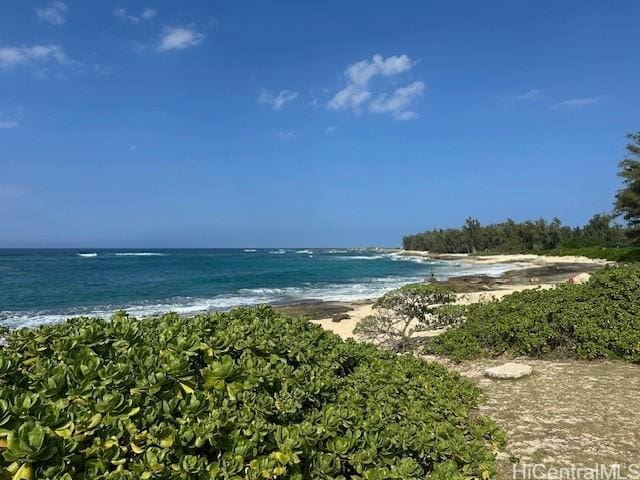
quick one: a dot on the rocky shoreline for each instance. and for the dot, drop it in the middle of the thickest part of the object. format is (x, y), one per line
(547, 272)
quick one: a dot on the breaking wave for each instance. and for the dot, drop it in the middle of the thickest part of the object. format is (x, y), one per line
(192, 305)
(140, 254)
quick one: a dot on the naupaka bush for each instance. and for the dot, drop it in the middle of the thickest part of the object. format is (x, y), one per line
(600, 319)
(245, 394)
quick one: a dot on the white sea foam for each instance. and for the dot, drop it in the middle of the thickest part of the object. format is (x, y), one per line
(192, 305)
(249, 250)
(361, 257)
(140, 254)
(345, 292)
(87, 255)
(278, 252)
(309, 252)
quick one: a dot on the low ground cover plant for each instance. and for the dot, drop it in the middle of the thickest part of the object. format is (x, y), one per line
(600, 319)
(247, 394)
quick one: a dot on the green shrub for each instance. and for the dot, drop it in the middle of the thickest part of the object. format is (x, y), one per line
(247, 394)
(600, 319)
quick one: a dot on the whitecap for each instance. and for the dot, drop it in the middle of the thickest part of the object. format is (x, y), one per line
(361, 257)
(337, 292)
(140, 254)
(87, 255)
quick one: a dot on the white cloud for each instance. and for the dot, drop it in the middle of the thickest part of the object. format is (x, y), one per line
(530, 95)
(399, 102)
(149, 13)
(350, 97)
(54, 12)
(7, 124)
(179, 38)
(123, 14)
(578, 102)
(331, 129)
(361, 73)
(285, 136)
(11, 57)
(277, 101)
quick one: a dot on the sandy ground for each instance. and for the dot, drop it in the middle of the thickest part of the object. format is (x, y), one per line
(344, 328)
(566, 413)
(518, 259)
(534, 271)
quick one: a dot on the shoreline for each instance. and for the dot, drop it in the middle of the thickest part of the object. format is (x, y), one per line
(534, 271)
(515, 271)
(514, 258)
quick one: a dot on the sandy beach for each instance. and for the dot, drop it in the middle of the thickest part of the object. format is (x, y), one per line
(532, 271)
(519, 259)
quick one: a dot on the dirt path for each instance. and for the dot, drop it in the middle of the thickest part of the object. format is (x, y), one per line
(566, 413)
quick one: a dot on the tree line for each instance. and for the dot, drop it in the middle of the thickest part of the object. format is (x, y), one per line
(511, 236)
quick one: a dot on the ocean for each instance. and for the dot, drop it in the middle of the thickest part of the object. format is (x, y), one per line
(45, 286)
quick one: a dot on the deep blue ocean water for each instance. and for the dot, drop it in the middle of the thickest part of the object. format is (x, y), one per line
(42, 286)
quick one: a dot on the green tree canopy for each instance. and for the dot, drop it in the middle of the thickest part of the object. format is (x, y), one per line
(628, 197)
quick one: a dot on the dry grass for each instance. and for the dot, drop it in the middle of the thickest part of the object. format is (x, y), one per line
(566, 413)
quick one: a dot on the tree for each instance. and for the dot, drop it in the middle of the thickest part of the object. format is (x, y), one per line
(628, 197)
(600, 231)
(472, 231)
(403, 312)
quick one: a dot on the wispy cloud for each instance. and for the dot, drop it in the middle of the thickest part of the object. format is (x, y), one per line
(12, 57)
(7, 124)
(11, 119)
(578, 102)
(179, 38)
(54, 13)
(399, 102)
(123, 14)
(530, 95)
(149, 13)
(357, 93)
(12, 192)
(331, 129)
(277, 101)
(285, 136)
(103, 69)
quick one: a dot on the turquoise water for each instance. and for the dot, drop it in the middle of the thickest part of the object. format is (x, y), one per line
(43, 286)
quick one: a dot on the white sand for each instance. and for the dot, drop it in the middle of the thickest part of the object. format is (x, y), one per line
(525, 259)
(360, 310)
(345, 328)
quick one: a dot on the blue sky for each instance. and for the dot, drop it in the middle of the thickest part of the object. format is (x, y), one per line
(253, 123)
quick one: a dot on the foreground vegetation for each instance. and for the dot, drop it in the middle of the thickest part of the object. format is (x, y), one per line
(247, 394)
(600, 319)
